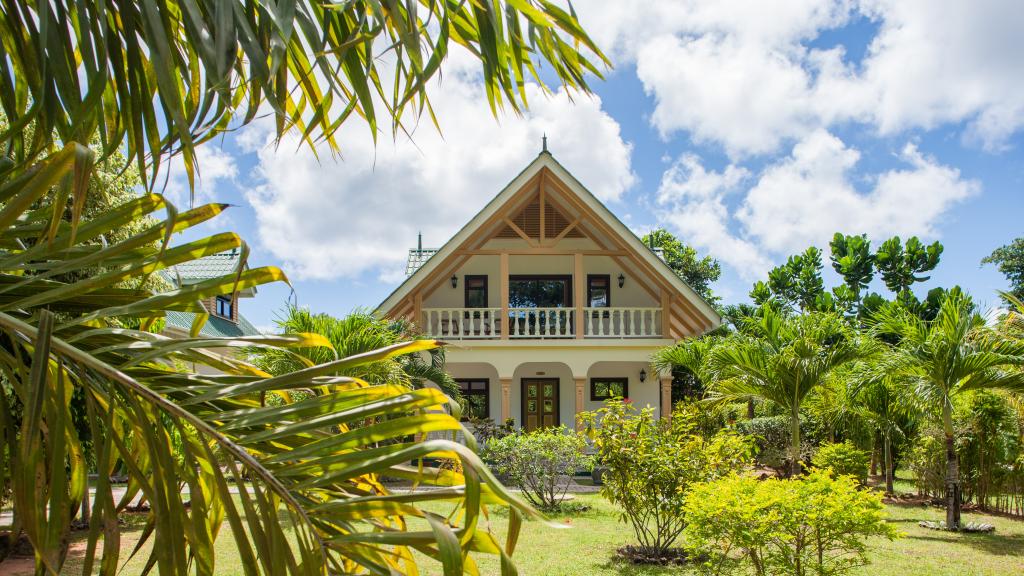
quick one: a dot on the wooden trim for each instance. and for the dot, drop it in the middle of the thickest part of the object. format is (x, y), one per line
(515, 228)
(503, 283)
(544, 250)
(543, 208)
(564, 232)
(465, 290)
(578, 274)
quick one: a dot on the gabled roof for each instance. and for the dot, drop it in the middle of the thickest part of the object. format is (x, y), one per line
(546, 161)
(206, 268)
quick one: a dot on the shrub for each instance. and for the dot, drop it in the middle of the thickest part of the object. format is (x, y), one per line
(814, 524)
(540, 463)
(650, 467)
(843, 459)
(772, 436)
(486, 429)
(927, 462)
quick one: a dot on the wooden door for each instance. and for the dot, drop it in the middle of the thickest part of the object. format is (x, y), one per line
(540, 403)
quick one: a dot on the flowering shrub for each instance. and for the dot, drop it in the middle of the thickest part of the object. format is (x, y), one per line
(814, 524)
(843, 458)
(540, 463)
(650, 467)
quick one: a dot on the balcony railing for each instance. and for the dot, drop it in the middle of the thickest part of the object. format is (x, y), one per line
(541, 323)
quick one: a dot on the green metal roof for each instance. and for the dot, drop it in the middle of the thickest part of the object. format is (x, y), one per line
(215, 326)
(204, 268)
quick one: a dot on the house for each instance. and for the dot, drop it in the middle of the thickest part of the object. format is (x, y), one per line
(550, 303)
(225, 320)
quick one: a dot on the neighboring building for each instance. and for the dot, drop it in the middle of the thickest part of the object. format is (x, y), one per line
(225, 318)
(551, 304)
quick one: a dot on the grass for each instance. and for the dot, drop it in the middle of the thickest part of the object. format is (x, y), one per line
(587, 546)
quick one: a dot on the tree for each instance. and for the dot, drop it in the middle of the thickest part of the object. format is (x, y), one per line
(942, 359)
(797, 283)
(1010, 261)
(782, 359)
(901, 266)
(357, 333)
(697, 272)
(852, 259)
(165, 77)
(160, 78)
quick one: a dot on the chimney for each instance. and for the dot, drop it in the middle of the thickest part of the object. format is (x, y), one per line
(419, 242)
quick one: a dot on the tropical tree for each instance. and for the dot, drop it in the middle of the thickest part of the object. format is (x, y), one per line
(153, 79)
(883, 404)
(901, 265)
(1010, 261)
(699, 273)
(358, 333)
(782, 359)
(944, 358)
(159, 77)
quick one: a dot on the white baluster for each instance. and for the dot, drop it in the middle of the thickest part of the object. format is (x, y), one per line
(643, 323)
(632, 317)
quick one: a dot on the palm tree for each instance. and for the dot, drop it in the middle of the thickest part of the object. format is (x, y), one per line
(944, 358)
(782, 359)
(357, 333)
(884, 406)
(163, 77)
(153, 79)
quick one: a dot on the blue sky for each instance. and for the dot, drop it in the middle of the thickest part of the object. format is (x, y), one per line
(750, 131)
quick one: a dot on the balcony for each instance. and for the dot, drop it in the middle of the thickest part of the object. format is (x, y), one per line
(541, 323)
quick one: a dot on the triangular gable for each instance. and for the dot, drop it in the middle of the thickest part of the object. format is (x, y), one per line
(514, 213)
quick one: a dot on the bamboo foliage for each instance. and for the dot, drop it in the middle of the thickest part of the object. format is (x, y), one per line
(166, 75)
(318, 462)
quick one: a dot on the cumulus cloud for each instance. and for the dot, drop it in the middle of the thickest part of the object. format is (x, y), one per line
(215, 168)
(744, 75)
(337, 218)
(803, 199)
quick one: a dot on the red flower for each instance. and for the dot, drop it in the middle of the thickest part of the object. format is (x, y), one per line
(627, 401)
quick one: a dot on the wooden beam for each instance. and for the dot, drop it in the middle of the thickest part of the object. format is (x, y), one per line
(666, 312)
(577, 284)
(520, 232)
(545, 250)
(503, 281)
(564, 232)
(541, 200)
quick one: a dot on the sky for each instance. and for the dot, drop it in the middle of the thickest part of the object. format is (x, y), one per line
(749, 129)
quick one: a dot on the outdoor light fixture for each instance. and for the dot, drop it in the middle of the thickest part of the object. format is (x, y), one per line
(622, 280)
(455, 281)
(643, 375)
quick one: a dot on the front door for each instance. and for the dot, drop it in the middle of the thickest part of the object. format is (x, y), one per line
(540, 403)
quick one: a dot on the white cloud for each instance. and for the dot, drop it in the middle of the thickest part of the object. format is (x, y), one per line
(805, 198)
(740, 73)
(341, 218)
(215, 168)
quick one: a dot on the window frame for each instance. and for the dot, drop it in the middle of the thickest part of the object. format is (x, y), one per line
(608, 290)
(610, 379)
(486, 393)
(229, 301)
(466, 288)
(567, 291)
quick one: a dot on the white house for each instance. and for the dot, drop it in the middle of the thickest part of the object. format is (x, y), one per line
(550, 304)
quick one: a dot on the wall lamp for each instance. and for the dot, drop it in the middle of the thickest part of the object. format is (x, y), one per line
(455, 281)
(643, 375)
(622, 280)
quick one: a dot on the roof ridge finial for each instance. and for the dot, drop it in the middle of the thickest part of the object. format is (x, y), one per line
(544, 143)
(419, 241)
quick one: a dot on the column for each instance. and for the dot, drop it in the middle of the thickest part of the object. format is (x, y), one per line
(506, 399)
(581, 385)
(666, 396)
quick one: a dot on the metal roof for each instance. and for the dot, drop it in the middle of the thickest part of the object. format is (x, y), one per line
(205, 268)
(215, 326)
(418, 257)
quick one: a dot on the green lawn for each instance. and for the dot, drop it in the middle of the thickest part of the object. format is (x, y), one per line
(588, 544)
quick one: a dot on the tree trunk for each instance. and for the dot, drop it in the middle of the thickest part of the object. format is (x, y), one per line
(794, 430)
(888, 464)
(750, 408)
(874, 454)
(952, 473)
(86, 511)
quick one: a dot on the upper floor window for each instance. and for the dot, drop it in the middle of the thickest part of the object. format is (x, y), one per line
(599, 291)
(540, 291)
(225, 306)
(476, 291)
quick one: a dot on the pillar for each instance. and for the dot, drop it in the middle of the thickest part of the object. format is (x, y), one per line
(666, 396)
(581, 385)
(506, 399)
